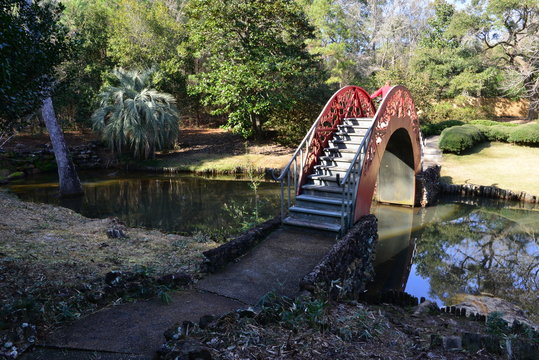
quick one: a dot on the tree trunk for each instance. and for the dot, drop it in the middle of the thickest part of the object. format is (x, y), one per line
(532, 110)
(532, 113)
(68, 178)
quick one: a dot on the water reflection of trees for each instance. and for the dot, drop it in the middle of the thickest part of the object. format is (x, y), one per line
(483, 250)
(175, 203)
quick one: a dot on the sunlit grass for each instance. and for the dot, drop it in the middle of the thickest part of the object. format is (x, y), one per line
(217, 163)
(506, 166)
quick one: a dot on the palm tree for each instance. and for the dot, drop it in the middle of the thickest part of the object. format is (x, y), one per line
(135, 117)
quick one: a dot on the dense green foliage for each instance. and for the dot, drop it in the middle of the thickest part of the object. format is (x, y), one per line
(136, 118)
(492, 123)
(81, 77)
(32, 43)
(457, 139)
(255, 59)
(496, 132)
(430, 129)
(265, 66)
(525, 135)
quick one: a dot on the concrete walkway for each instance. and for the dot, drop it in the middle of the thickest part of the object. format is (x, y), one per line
(135, 331)
(432, 155)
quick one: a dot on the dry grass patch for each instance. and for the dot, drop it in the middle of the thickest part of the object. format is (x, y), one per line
(52, 257)
(506, 166)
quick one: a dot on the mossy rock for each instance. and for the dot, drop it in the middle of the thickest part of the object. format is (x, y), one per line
(15, 175)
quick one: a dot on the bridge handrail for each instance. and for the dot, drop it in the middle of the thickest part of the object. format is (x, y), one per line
(322, 129)
(298, 149)
(356, 166)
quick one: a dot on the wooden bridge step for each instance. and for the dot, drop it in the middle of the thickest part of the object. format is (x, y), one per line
(312, 224)
(337, 159)
(338, 168)
(350, 134)
(319, 212)
(321, 200)
(329, 189)
(341, 150)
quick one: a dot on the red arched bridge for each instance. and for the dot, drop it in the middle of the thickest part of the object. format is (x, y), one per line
(352, 154)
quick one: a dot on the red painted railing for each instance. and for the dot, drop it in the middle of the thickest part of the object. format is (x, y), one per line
(348, 102)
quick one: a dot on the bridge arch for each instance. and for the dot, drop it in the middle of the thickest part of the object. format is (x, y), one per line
(393, 155)
(351, 150)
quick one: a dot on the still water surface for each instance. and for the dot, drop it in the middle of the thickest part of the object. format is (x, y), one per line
(172, 203)
(438, 252)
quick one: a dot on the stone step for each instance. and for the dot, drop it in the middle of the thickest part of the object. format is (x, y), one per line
(333, 192)
(428, 151)
(312, 224)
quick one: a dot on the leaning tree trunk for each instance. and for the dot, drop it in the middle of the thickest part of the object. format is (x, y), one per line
(68, 178)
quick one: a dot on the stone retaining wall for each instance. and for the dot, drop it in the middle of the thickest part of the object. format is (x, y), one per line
(491, 192)
(226, 253)
(429, 188)
(27, 162)
(348, 264)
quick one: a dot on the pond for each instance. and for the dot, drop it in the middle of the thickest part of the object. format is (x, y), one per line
(177, 203)
(438, 253)
(456, 248)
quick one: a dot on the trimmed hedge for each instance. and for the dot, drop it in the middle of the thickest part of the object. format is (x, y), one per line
(437, 128)
(525, 135)
(497, 132)
(492, 123)
(457, 139)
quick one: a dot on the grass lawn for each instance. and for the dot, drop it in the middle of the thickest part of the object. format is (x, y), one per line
(506, 166)
(221, 163)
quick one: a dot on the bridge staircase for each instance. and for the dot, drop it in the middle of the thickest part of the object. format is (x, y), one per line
(322, 200)
(319, 184)
(330, 181)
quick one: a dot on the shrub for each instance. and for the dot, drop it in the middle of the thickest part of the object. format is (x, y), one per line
(496, 132)
(455, 110)
(436, 128)
(525, 135)
(457, 139)
(492, 123)
(133, 116)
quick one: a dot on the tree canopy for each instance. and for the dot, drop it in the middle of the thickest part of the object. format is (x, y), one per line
(32, 43)
(253, 58)
(259, 65)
